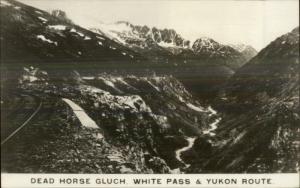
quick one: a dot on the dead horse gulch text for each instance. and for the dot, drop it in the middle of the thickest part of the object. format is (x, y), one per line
(152, 181)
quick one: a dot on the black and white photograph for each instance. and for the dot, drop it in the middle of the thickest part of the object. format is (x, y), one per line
(150, 87)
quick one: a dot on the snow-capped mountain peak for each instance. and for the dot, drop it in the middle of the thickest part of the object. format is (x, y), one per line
(142, 36)
(166, 44)
(205, 42)
(239, 47)
(247, 50)
(114, 30)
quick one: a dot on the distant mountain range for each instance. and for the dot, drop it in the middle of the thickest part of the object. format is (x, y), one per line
(120, 41)
(167, 44)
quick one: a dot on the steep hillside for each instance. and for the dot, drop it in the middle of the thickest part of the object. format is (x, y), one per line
(260, 129)
(29, 34)
(272, 68)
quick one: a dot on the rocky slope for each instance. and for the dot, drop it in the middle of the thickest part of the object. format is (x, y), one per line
(267, 72)
(144, 120)
(260, 129)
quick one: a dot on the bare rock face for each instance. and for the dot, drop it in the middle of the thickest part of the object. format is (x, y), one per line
(59, 14)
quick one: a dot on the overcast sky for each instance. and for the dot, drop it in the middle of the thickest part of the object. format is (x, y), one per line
(227, 21)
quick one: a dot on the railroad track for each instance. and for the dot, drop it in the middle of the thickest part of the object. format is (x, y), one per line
(22, 125)
(18, 148)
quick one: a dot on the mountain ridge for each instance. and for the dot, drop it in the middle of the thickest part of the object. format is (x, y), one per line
(168, 43)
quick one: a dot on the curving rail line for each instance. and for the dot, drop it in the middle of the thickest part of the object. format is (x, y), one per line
(23, 125)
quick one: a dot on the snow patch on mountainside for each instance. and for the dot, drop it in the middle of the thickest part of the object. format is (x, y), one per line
(88, 77)
(77, 32)
(167, 45)
(58, 27)
(43, 38)
(239, 47)
(87, 38)
(42, 19)
(193, 107)
(39, 12)
(109, 31)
